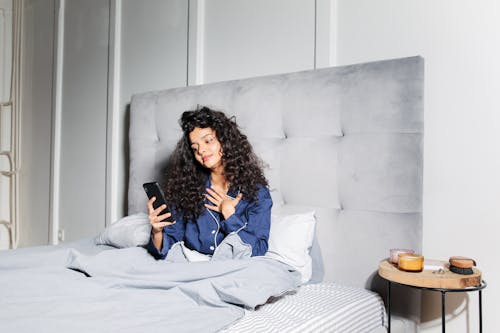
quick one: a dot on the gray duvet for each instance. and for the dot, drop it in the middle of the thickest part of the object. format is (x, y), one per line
(81, 288)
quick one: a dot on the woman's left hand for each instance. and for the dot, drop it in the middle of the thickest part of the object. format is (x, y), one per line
(221, 202)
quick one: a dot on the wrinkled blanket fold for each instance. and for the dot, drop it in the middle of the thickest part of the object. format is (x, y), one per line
(127, 290)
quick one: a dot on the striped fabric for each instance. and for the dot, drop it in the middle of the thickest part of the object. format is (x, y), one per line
(323, 307)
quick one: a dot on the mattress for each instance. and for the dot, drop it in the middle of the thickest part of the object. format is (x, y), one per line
(323, 307)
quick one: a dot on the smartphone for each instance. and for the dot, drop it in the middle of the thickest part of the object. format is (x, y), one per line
(154, 190)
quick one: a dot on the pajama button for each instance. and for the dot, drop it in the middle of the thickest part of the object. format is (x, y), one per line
(213, 232)
(212, 248)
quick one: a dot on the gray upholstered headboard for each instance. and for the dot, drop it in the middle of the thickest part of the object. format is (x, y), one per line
(346, 141)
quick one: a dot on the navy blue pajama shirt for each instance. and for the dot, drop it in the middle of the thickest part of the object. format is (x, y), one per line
(251, 221)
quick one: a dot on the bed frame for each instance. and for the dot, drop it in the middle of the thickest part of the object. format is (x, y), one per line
(344, 141)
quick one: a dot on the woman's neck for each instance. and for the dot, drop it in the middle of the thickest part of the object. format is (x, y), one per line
(218, 181)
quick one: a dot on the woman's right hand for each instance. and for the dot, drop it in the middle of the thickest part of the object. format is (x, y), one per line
(155, 220)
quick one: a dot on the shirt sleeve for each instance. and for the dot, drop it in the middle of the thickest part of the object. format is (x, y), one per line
(171, 234)
(255, 230)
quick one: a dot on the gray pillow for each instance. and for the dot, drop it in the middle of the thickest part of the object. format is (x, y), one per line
(129, 231)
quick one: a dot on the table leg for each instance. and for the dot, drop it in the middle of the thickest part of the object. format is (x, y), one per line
(480, 312)
(443, 311)
(388, 306)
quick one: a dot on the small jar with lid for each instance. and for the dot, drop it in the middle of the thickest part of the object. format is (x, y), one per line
(410, 262)
(394, 253)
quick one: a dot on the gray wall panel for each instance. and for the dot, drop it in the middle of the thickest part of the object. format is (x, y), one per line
(84, 107)
(36, 121)
(259, 37)
(153, 56)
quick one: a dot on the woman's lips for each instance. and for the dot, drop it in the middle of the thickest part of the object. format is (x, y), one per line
(206, 157)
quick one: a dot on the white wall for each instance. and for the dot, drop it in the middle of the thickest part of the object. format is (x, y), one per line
(259, 37)
(82, 189)
(5, 145)
(36, 121)
(5, 48)
(460, 41)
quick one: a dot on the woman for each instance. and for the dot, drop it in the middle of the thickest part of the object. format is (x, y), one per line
(215, 186)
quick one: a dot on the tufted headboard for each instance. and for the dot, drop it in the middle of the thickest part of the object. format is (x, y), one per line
(344, 141)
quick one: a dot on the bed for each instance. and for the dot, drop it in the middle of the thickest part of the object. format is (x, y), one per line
(354, 131)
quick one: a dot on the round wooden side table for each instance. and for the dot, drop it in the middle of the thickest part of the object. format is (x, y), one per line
(443, 281)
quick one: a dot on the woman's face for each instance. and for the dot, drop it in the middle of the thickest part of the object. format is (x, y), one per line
(206, 147)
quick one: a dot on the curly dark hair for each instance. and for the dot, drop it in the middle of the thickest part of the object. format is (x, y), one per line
(185, 177)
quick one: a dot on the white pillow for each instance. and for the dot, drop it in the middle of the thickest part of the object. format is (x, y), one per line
(129, 231)
(290, 241)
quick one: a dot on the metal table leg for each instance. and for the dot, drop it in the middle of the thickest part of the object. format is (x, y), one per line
(443, 291)
(443, 311)
(480, 311)
(388, 306)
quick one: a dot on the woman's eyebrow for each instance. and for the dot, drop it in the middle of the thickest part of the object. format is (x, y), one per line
(194, 143)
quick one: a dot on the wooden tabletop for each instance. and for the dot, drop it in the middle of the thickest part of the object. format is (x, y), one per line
(428, 278)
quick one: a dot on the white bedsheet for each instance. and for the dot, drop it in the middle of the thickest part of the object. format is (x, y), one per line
(323, 307)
